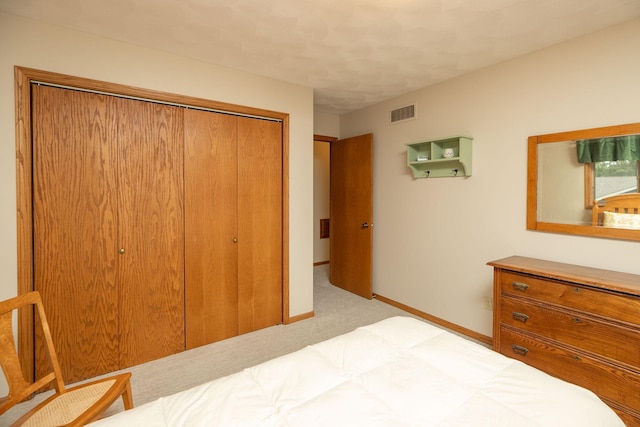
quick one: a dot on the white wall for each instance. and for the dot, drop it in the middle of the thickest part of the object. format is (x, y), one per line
(32, 44)
(321, 199)
(433, 237)
(326, 124)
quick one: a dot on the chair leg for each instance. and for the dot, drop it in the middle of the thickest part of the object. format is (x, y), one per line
(127, 399)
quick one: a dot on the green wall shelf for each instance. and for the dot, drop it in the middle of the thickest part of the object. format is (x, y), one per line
(440, 158)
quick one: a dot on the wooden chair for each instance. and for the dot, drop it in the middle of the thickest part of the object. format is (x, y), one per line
(74, 406)
(624, 203)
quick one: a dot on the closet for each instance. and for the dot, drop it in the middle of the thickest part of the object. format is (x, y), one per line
(155, 227)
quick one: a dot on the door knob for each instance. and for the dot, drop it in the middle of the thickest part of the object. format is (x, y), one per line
(235, 240)
(365, 225)
(121, 250)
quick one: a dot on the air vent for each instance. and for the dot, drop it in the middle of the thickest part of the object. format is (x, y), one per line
(403, 113)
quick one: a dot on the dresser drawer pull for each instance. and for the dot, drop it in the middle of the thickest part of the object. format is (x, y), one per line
(576, 320)
(520, 316)
(519, 286)
(576, 358)
(522, 351)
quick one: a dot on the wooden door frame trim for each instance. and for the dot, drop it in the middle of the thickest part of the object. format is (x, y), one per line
(23, 77)
(324, 138)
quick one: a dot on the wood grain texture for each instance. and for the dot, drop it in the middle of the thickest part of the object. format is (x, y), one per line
(621, 306)
(603, 279)
(260, 227)
(74, 238)
(608, 381)
(578, 323)
(32, 74)
(571, 327)
(150, 231)
(24, 216)
(351, 187)
(211, 225)
(26, 258)
(285, 219)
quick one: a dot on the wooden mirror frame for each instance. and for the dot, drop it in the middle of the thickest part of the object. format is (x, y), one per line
(532, 183)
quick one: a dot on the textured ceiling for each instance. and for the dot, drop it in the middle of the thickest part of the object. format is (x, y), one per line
(353, 53)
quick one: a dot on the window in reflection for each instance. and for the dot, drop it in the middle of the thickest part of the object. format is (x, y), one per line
(612, 178)
(611, 165)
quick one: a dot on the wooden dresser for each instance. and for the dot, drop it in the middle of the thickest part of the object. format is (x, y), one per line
(579, 324)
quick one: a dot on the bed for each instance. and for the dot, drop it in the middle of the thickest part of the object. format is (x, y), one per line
(622, 211)
(397, 372)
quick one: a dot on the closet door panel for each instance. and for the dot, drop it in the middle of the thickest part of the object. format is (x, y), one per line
(259, 223)
(74, 228)
(150, 229)
(211, 222)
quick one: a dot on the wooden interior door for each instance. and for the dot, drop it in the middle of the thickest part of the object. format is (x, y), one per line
(211, 227)
(74, 228)
(351, 212)
(259, 223)
(150, 231)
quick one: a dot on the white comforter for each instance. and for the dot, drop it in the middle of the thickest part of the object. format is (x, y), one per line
(397, 372)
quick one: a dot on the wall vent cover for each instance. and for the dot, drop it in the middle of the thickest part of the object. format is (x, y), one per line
(401, 114)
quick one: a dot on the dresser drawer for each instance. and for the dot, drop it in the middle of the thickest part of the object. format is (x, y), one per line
(607, 381)
(616, 306)
(592, 335)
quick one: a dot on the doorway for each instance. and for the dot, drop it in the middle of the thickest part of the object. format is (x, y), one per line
(321, 198)
(351, 213)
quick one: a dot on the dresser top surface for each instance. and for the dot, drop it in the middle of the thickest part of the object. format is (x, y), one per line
(605, 279)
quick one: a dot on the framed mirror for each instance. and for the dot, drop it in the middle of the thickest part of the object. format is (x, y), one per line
(585, 182)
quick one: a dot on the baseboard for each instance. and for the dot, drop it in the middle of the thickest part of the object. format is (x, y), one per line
(300, 317)
(438, 321)
(315, 264)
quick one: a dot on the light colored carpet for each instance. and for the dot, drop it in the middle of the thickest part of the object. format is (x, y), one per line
(336, 312)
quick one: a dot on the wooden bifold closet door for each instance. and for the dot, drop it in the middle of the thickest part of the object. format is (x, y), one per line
(108, 228)
(150, 231)
(233, 227)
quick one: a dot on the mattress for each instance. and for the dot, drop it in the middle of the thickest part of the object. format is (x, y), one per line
(397, 372)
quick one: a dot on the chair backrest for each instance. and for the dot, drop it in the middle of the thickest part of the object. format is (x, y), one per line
(624, 203)
(19, 387)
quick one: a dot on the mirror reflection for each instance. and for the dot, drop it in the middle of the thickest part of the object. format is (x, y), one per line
(561, 184)
(586, 182)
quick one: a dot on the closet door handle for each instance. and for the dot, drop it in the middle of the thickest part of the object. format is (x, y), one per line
(235, 240)
(121, 251)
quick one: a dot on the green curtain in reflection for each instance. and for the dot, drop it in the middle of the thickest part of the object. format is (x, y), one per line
(609, 149)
